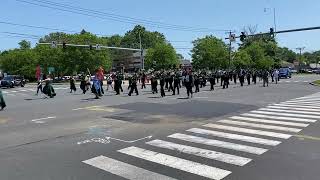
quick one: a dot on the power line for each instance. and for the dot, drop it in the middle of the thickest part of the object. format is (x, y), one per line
(36, 27)
(21, 34)
(135, 20)
(114, 17)
(42, 27)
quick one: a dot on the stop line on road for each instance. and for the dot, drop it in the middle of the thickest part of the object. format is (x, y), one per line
(261, 130)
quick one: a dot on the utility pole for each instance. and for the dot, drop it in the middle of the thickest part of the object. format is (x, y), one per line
(141, 51)
(300, 49)
(230, 49)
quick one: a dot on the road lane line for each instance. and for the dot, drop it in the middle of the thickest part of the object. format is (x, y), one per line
(262, 126)
(221, 144)
(249, 131)
(40, 119)
(286, 114)
(290, 111)
(239, 118)
(177, 163)
(235, 137)
(214, 155)
(124, 170)
(279, 118)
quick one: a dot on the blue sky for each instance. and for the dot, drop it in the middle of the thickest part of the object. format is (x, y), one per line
(213, 14)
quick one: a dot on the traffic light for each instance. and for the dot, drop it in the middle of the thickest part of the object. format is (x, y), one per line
(243, 36)
(64, 45)
(271, 31)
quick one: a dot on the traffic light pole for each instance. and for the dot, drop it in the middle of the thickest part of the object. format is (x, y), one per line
(284, 31)
(230, 49)
(93, 46)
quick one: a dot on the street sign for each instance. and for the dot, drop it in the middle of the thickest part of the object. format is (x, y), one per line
(232, 37)
(98, 47)
(54, 44)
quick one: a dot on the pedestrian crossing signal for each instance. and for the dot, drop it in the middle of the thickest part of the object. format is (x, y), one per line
(64, 45)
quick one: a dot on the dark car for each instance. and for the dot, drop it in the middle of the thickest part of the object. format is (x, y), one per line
(13, 80)
(8, 82)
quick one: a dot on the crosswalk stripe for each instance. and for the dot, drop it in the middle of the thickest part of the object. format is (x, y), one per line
(177, 163)
(249, 131)
(269, 121)
(280, 118)
(223, 157)
(290, 111)
(286, 114)
(13, 91)
(124, 170)
(5, 92)
(310, 96)
(298, 106)
(305, 100)
(302, 103)
(235, 137)
(263, 126)
(23, 90)
(216, 143)
(293, 108)
(10, 94)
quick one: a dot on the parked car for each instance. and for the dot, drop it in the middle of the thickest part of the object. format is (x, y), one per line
(7, 82)
(284, 73)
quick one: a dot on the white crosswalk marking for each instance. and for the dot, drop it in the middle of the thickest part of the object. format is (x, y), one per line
(304, 100)
(216, 143)
(249, 131)
(294, 108)
(235, 137)
(223, 157)
(286, 114)
(280, 118)
(177, 163)
(262, 126)
(123, 169)
(298, 106)
(290, 111)
(268, 121)
(302, 103)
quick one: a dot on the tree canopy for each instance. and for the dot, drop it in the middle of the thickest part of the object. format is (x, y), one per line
(209, 52)
(161, 56)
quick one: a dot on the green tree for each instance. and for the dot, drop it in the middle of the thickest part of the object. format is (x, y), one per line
(25, 44)
(161, 56)
(242, 60)
(209, 52)
(19, 62)
(148, 39)
(259, 54)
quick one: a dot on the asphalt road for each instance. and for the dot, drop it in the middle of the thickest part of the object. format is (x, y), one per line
(241, 133)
